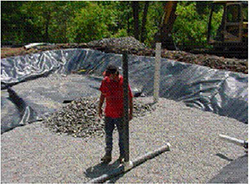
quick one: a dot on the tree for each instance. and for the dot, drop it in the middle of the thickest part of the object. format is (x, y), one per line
(51, 18)
(83, 21)
(92, 23)
(11, 21)
(41, 14)
(144, 20)
(190, 28)
(155, 13)
(66, 10)
(123, 19)
(135, 6)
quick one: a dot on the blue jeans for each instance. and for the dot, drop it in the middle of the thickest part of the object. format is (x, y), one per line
(109, 128)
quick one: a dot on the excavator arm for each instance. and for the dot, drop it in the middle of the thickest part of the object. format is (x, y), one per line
(168, 19)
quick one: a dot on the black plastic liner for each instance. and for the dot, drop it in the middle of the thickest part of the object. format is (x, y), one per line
(234, 173)
(15, 111)
(222, 92)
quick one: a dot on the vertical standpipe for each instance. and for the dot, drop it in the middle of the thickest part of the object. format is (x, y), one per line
(125, 104)
(157, 72)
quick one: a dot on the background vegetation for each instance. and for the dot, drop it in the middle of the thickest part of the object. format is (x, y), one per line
(83, 21)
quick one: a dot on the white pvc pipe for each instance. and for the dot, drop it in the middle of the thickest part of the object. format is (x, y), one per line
(232, 140)
(28, 46)
(136, 162)
(157, 72)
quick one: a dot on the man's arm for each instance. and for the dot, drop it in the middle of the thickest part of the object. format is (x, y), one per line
(102, 98)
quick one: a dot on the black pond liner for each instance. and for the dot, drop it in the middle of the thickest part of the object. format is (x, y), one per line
(222, 92)
(236, 172)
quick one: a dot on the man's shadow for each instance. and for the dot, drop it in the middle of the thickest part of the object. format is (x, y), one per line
(101, 168)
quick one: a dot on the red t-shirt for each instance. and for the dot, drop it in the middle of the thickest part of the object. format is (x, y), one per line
(113, 92)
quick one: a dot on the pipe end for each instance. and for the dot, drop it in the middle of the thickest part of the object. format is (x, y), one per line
(128, 165)
(168, 146)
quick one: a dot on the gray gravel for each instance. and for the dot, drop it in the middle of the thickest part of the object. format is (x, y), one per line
(33, 154)
(79, 117)
(123, 43)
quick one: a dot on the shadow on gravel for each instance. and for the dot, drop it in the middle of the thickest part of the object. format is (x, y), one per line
(113, 180)
(224, 157)
(100, 169)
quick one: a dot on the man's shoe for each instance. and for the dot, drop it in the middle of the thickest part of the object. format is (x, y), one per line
(121, 159)
(106, 159)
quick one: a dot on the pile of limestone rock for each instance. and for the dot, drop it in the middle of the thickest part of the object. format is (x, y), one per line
(79, 118)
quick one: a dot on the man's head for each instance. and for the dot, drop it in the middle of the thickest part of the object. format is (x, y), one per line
(112, 72)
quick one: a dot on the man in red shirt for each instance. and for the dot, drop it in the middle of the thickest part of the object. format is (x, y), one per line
(112, 90)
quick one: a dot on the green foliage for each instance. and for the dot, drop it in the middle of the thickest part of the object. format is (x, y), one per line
(190, 28)
(124, 19)
(84, 21)
(155, 13)
(91, 23)
(11, 21)
(121, 33)
(216, 22)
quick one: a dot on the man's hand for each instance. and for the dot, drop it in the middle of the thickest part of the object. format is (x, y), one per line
(102, 97)
(130, 117)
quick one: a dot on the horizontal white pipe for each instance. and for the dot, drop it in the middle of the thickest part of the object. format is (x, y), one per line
(232, 140)
(136, 162)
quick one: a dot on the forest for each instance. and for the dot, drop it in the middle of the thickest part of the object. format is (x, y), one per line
(83, 21)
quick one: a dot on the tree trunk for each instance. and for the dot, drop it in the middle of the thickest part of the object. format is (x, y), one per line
(144, 20)
(135, 6)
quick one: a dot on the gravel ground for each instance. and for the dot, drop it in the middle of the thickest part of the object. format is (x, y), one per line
(33, 154)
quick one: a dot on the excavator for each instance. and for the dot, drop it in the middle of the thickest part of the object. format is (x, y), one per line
(231, 34)
(164, 35)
